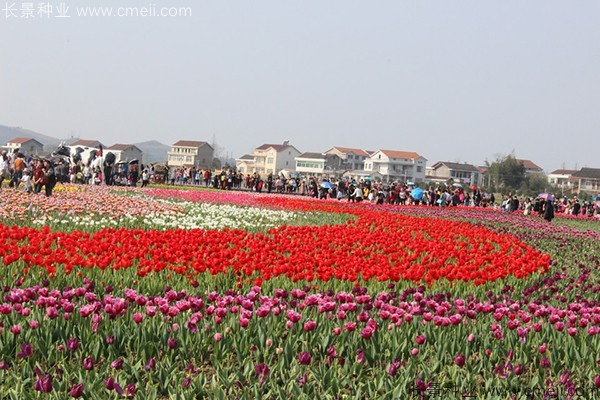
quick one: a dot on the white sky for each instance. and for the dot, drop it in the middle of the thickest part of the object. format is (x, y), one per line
(452, 80)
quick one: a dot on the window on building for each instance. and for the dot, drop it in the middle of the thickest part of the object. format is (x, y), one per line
(419, 168)
(270, 160)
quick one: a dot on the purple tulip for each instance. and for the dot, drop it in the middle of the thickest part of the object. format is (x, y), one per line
(542, 348)
(88, 363)
(172, 343)
(393, 370)
(597, 381)
(76, 391)
(420, 339)
(518, 370)
(459, 360)
(137, 318)
(360, 356)
(304, 357)
(72, 344)
(151, 364)
(262, 371)
(545, 363)
(4, 366)
(44, 384)
(310, 325)
(109, 383)
(130, 389)
(26, 350)
(187, 382)
(117, 364)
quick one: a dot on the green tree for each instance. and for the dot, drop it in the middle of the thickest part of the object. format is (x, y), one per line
(505, 174)
(536, 183)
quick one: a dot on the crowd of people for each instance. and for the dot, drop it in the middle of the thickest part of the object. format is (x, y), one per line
(34, 174)
(37, 174)
(400, 193)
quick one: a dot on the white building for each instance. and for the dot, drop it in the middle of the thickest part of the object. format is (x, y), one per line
(272, 158)
(245, 164)
(95, 144)
(319, 164)
(126, 152)
(562, 178)
(191, 153)
(460, 173)
(27, 146)
(400, 166)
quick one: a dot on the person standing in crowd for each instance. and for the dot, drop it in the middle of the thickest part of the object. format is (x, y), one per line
(3, 167)
(576, 207)
(145, 177)
(527, 206)
(549, 210)
(49, 178)
(19, 166)
(26, 179)
(357, 196)
(38, 177)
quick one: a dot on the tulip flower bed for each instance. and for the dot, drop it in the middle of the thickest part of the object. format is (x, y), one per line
(378, 302)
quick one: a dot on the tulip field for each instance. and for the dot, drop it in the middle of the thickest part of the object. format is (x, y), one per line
(160, 293)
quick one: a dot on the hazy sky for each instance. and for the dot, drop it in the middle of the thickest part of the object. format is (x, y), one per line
(452, 80)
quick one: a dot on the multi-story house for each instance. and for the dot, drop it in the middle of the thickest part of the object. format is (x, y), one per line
(272, 158)
(191, 153)
(402, 166)
(319, 164)
(459, 173)
(587, 180)
(126, 152)
(245, 164)
(353, 159)
(27, 146)
(562, 179)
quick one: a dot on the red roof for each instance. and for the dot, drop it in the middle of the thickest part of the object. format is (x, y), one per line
(400, 154)
(190, 143)
(350, 150)
(530, 165)
(21, 140)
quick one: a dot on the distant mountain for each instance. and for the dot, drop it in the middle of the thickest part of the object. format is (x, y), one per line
(154, 151)
(12, 132)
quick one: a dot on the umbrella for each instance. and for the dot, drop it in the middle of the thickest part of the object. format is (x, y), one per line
(326, 185)
(409, 183)
(368, 178)
(457, 185)
(417, 193)
(473, 187)
(134, 161)
(545, 196)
